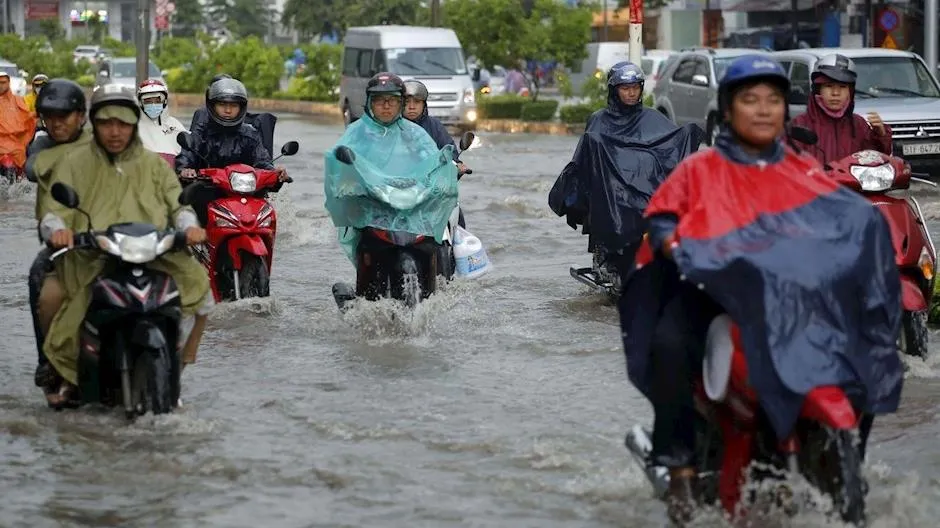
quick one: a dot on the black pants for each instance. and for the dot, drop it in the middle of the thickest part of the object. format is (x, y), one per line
(37, 273)
(677, 349)
(202, 194)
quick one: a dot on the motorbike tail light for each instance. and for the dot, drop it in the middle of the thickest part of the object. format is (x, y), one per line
(925, 263)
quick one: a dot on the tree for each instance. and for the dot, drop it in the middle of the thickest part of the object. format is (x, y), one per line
(312, 17)
(187, 18)
(241, 17)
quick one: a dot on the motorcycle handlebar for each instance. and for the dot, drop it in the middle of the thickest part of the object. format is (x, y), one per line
(87, 240)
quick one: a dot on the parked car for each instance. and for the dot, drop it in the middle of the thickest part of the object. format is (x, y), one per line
(123, 70)
(687, 91)
(18, 82)
(896, 84)
(92, 54)
(653, 64)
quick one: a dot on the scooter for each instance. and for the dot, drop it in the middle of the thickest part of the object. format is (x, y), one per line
(397, 264)
(10, 173)
(241, 228)
(875, 176)
(734, 432)
(128, 346)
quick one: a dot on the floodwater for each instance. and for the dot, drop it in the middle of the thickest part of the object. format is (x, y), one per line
(499, 402)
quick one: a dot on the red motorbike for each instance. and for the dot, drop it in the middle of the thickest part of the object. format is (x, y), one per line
(241, 228)
(10, 172)
(734, 432)
(876, 176)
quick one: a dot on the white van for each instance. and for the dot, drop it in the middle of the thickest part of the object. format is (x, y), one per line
(600, 57)
(433, 56)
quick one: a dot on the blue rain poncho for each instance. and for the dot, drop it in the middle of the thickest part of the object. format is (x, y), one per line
(399, 181)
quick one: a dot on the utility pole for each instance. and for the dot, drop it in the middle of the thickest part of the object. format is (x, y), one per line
(604, 38)
(930, 35)
(6, 18)
(435, 13)
(636, 31)
(795, 22)
(143, 40)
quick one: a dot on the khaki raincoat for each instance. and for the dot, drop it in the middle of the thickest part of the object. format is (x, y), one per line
(46, 161)
(137, 186)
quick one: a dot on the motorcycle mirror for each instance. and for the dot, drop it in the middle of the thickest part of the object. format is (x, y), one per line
(466, 140)
(65, 195)
(345, 154)
(290, 148)
(182, 139)
(803, 135)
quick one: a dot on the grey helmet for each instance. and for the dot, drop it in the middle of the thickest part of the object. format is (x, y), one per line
(227, 90)
(837, 67)
(416, 89)
(113, 94)
(625, 73)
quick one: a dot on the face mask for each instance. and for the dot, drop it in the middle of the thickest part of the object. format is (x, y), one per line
(154, 110)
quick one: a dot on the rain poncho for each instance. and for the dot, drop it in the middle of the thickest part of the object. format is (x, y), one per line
(17, 125)
(400, 181)
(804, 266)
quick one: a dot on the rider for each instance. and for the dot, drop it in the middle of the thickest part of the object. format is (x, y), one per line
(118, 181)
(39, 81)
(157, 132)
(226, 140)
(201, 115)
(17, 122)
(829, 114)
(752, 99)
(625, 82)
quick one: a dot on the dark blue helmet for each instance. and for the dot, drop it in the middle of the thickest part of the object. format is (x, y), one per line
(749, 69)
(625, 73)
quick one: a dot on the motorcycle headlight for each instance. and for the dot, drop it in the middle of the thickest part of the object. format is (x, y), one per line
(874, 179)
(138, 250)
(468, 97)
(243, 182)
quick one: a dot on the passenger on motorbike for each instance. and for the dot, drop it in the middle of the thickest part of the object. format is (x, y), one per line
(829, 113)
(61, 108)
(159, 130)
(39, 81)
(118, 181)
(17, 122)
(226, 140)
(752, 98)
(416, 111)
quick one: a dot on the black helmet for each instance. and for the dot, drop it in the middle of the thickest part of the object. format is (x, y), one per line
(61, 95)
(227, 90)
(215, 78)
(385, 83)
(837, 67)
(416, 89)
(111, 94)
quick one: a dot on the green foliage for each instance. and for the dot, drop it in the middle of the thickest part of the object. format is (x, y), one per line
(174, 52)
(28, 55)
(87, 80)
(324, 64)
(52, 29)
(312, 17)
(539, 110)
(260, 67)
(577, 114)
(648, 100)
(241, 17)
(595, 90)
(187, 18)
(119, 48)
(504, 106)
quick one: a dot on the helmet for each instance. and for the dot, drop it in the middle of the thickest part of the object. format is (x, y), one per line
(416, 89)
(749, 69)
(385, 83)
(151, 87)
(228, 90)
(837, 67)
(4, 73)
(61, 95)
(111, 94)
(40, 78)
(625, 73)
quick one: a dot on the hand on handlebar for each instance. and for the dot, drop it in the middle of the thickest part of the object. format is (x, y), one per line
(282, 174)
(195, 235)
(188, 174)
(463, 169)
(62, 238)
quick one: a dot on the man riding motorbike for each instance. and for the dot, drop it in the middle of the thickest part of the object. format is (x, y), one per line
(158, 132)
(39, 81)
(17, 122)
(61, 108)
(819, 336)
(829, 113)
(226, 140)
(201, 117)
(118, 181)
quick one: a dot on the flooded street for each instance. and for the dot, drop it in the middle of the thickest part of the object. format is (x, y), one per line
(499, 402)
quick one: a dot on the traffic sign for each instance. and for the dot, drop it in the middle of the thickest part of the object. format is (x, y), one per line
(161, 10)
(888, 20)
(889, 43)
(161, 23)
(170, 7)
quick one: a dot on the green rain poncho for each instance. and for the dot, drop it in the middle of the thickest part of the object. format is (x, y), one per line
(138, 186)
(46, 161)
(400, 181)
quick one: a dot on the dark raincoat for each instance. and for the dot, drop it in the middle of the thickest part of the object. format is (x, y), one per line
(839, 137)
(804, 266)
(263, 122)
(216, 147)
(437, 131)
(624, 155)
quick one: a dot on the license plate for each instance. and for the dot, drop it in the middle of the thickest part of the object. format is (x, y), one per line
(439, 112)
(920, 149)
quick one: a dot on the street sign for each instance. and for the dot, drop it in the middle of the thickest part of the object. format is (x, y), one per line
(170, 7)
(888, 20)
(162, 23)
(161, 10)
(889, 43)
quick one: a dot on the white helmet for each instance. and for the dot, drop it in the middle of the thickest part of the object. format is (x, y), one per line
(152, 87)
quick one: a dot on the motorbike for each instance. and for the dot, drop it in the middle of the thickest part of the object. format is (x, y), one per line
(604, 273)
(733, 432)
(877, 176)
(128, 346)
(10, 173)
(397, 264)
(241, 228)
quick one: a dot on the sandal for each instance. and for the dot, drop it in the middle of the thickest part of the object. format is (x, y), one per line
(45, 376)
(62, 397)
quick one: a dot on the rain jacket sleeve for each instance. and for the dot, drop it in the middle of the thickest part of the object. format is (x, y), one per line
(199, 122)
(438, 133)
(872, 139)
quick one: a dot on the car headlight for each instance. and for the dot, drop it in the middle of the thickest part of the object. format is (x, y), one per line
(243, 182)
(874, 179)
(468, 97)
(471, 115)
(138, 250)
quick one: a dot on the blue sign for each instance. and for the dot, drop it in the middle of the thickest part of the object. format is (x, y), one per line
(888, 20)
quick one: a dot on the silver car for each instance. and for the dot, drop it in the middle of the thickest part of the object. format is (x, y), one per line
(896, 84)
(18, 82)
(123, 70)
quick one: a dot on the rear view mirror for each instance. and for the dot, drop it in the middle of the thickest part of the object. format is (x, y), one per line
(345, 155)
(182, 139)
(65, 195)
(699, 80)
(290, 148)
(466, 140)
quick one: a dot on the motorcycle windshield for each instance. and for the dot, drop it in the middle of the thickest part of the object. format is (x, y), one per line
(399, 181)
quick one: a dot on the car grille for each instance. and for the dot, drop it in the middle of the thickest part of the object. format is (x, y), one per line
(442, 97)
(916, 130)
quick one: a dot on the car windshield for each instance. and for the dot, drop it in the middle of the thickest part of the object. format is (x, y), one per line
(86, 50)
(129, 69)
(12, 71)
(894, 77)
(425, 61)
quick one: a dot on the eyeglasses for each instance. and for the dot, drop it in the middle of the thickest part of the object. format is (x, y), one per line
(386, 100)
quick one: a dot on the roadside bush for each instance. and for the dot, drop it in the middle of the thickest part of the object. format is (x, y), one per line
(504, 106)
(28, 55)
(578, 114)
(87, 80)
(174, 52)
(323, 64)
(539, 110)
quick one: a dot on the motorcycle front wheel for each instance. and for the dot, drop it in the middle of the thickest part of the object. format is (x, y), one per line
(831, 461)
(913, 340)
(150, 383)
